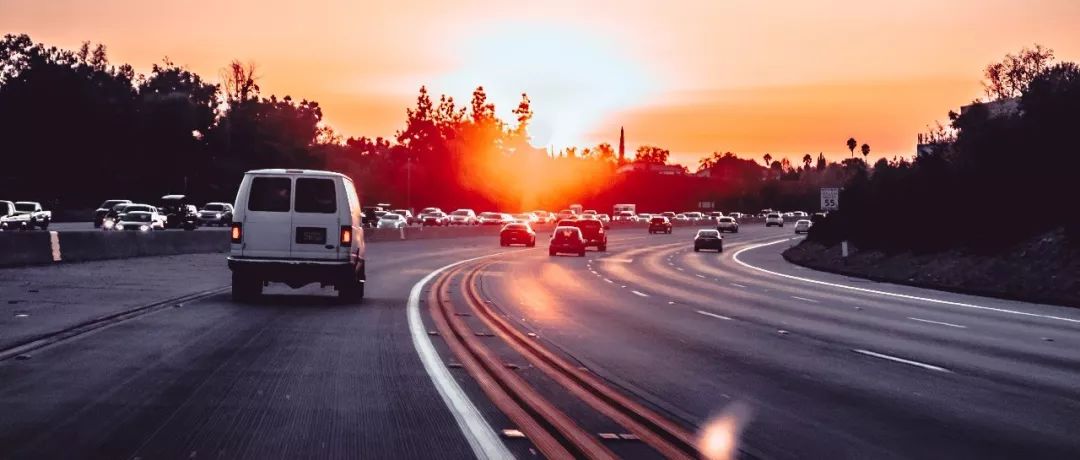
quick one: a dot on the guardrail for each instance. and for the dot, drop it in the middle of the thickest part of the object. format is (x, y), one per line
(47, 247)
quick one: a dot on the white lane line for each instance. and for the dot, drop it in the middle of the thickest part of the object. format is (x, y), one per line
(608, 281)
(901, 360)
(738, 285)
(481, 437)
(735, 257)
(804, 298)
(640, 294)
(679, 269)
(937, 322)
(714, 315)
(700, 276)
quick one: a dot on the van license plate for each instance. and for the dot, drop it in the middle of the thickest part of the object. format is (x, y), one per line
(310, 235)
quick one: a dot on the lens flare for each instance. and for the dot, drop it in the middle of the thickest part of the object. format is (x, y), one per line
(719, 437)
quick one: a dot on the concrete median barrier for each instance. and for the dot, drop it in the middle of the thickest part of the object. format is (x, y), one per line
(25, 248)
(81, 246)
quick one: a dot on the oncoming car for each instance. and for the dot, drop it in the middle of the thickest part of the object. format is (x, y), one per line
(216, 214)
(391, 220)
(140, 221)
(297, 227)
(463, 217)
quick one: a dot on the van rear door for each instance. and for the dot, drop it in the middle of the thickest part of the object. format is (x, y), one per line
(315, 223)
(267, 219)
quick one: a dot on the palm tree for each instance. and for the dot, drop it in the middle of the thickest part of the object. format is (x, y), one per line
(768, 160)
(806, 160)
(851, 144)
(865, 151)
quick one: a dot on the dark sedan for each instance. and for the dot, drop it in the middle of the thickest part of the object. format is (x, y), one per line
(517, 234)
(708, 239)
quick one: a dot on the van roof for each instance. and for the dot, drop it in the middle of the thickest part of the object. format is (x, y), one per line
(291, 172)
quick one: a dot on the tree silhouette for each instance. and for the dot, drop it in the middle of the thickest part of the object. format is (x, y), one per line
(865, 151)
(807, 160)
(648, 154)
(851, 144)
(821, 162)
(768, 159)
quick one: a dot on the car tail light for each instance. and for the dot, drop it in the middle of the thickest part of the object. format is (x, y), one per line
(346, 235)
(237, 232)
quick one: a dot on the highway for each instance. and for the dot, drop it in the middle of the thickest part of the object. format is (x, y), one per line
(806, 364)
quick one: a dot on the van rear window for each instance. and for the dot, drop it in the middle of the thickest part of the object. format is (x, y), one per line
(315, 195)
(270, 194)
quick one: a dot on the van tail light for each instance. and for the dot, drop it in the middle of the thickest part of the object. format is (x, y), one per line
(346, 235)
(237, 232)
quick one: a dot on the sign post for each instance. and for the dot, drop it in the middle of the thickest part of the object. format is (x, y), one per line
(830, 199)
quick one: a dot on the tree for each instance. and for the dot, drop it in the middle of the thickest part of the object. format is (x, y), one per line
(807, 160)
(865, 151)
(768, 159)
(648, 154)
(821, 163)
(1012, 75)
(604, 152)
(239, 80)
(851, 144)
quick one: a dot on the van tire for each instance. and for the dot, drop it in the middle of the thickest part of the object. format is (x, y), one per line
(245, 288)
(351, 291)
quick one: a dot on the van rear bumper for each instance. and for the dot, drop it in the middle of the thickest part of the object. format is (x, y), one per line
(298, 271)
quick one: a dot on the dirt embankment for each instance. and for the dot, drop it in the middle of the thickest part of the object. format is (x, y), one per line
(1044, 269)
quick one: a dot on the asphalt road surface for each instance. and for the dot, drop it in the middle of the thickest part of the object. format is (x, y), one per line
(810, 365)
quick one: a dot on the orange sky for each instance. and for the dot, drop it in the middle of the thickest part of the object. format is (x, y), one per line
(786, 77)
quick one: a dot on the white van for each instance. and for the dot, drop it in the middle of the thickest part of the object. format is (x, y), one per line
(297, 226)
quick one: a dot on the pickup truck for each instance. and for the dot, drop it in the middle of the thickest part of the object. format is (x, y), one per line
(39, 217)
(11, 219)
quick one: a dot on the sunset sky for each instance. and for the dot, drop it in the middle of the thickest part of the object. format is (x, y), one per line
(786, 77)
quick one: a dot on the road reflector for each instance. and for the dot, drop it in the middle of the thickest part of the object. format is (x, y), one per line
(512, 433)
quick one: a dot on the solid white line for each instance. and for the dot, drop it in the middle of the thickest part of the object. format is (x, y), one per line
(714, 315)
(608, 281)
(737, 285)
(804, 298)
(735, 257)
(679, 268)
(639, 293)
(937, 322)
(481, 437)
(700, 276)
(901, 360)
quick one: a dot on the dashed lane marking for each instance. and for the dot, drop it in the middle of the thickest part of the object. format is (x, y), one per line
(901, 360)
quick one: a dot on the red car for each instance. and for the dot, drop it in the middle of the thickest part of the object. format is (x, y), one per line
(592, 230)
(566, 239)
(517, 233)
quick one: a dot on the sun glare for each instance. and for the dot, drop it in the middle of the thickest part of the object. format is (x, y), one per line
(573, 77)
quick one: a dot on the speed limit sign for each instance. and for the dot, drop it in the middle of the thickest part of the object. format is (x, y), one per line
(830, 199)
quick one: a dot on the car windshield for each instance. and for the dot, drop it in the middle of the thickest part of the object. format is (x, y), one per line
(110, 203)
(137, 208)
(773, 216)
(517, 227)
(214, 207)
(708, 234)
(138, 216)
(491, 215)
(727, 220)
(658, 220)
(400, 211)
(389, 216)
(24, 207)
(460, 212)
